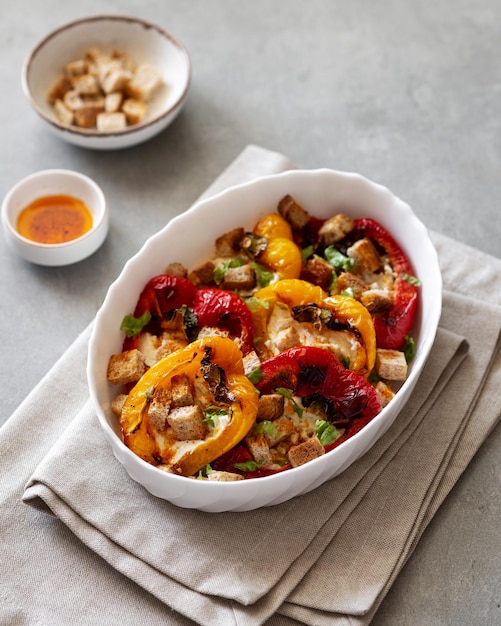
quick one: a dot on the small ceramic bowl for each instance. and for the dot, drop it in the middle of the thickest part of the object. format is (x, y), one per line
(143, 42)
(189, 239)
(55, 183)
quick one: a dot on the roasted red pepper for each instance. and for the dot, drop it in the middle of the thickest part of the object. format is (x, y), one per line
(225, 310)
(314, 375)
(161, 295)
(309, 370)
(393, 327)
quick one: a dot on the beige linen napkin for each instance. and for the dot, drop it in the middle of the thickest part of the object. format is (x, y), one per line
(354, 533)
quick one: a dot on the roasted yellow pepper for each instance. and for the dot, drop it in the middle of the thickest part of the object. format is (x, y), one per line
(239, 407)
(346, 311)
(351, 312)
(273, 225)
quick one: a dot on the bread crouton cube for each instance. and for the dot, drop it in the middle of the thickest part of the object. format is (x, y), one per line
(76, 68)
(251, 362)
(348, 280)
(203, 274)
(182, 390)
(134, 110)
(159, 407)
(376, 301)
(126, 367)
(270, 406)
(243, 277)
(222, 476)
(115, 80)
(117, 404)
(391, 364)
(365, 255)
(63, 114)
(85, 84)
(110, 122)
(176, 269)
(113, 102)
(73, 100)
(259, 448)
(318, 272)
(187, 423)
(335, 228)
(293, 212)
(305, 452)
(228, 245)
(59, 88)
(86, 116)
(384, 392)
(144, 82)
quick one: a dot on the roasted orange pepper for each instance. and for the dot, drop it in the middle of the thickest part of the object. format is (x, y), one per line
(346, 312)
(282, 256)
(236, 396)
(352, 313)
(273, 225)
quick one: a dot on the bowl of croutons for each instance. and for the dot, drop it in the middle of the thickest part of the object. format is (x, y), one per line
(245, 357)
(107, 81)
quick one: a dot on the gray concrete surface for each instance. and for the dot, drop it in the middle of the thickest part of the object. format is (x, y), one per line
(406, 93)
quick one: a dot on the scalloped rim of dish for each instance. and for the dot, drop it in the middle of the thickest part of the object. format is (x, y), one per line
(219, 496)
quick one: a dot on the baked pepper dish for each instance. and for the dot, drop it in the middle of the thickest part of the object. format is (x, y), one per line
(284, 344)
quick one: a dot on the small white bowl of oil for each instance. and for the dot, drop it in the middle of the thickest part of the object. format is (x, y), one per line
(55, 217)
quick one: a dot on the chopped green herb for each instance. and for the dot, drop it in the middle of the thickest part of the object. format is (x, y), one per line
(288, 394)
(264, 277)
(266, 427)
(307, 252)
(348, 292)
(148, 394)
(247, 466)
(256, 303)
(338, 260)
(345, 362)
(219, 272)
(256, 375)
(134, 325)
(409, 348)
(205, 471)
(413, 280)
(214, 411)
(326, 433)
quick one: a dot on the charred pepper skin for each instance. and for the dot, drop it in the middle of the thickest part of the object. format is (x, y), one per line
(393, 327)
(310, 371)
(241, 396)
(161, 295)
(225, 310)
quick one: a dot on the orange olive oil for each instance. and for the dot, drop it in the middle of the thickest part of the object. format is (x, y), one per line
(54, 219)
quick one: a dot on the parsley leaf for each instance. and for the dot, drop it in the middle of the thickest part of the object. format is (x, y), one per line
(219, 272)
(264, 277)
(326, 433)
(134, 325)
(338, 260)
(413, 280)
(213, 411)
(409, 348)
(266, 427)
(256, 375)
(307, 252)
(247, 466)
(288, 394)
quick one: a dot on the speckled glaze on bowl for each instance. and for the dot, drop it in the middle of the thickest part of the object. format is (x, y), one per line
(54, 183)
(143, 41)
(189, 238)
